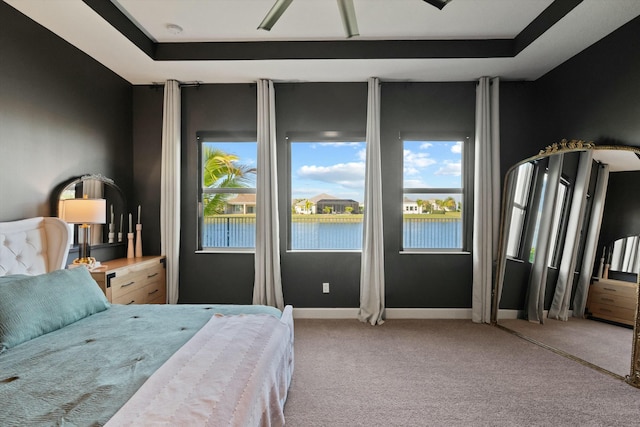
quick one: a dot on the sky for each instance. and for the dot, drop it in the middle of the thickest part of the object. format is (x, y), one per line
(338, 168)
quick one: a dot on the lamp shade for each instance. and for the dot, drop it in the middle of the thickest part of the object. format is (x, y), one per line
(85, 211)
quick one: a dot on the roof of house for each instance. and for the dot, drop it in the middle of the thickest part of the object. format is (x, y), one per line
(243, 199)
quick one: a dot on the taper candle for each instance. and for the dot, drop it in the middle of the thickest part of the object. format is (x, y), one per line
(121, 223)
(139, 210)
(130, 224)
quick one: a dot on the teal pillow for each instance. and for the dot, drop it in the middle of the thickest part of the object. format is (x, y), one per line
(31, 306)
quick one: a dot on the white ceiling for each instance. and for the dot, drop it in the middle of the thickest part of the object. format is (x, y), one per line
(237, 20)
(618, 160)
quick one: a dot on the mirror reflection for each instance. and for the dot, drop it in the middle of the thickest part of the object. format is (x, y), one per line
(624, 255)
(95, 187)
(567, 270)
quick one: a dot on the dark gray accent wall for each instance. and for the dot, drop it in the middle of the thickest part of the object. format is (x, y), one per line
(317, 107)
(415, 280)
(206, 277)
(147, 164)
(432, 109)
(62, 114)
(594, 95)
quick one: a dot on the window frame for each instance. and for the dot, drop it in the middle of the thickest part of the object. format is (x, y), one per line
(526, 212)
(310, 137)
(466, 180)
(560, 228)
(203, 137)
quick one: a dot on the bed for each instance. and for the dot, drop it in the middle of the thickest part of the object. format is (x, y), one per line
(68, 357)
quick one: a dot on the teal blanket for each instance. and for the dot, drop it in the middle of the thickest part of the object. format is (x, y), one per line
(82, 374)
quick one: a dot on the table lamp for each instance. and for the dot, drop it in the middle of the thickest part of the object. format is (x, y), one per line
(85, 212)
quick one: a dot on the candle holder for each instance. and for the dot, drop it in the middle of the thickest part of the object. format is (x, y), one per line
(138, 240)
(130, 245)
(112, 235)
(120, 236)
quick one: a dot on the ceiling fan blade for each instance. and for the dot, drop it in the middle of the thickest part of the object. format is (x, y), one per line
(348, 14)
(274, 14)
(438, 3)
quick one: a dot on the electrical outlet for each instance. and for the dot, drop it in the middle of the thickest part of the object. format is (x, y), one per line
(325, 288)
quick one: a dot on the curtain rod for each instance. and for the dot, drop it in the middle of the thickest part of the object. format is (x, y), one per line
(195, 83)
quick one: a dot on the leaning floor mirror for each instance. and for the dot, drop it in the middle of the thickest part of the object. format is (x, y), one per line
(567, 268)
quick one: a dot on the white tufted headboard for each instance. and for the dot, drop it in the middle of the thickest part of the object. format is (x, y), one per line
(33, 246)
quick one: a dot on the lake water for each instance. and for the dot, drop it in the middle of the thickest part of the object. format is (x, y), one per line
(417, 234)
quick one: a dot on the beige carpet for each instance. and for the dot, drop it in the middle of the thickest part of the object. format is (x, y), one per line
(602, 344)
(444, 373)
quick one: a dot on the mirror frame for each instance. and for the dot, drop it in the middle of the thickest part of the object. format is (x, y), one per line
(564, 146)
(57, 192)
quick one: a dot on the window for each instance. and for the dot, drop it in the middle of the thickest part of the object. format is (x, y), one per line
(327, 193)
(433, 195)
(558, 224)
(519, 209)
(228, 193)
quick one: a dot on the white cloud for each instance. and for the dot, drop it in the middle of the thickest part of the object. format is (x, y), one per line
(415, 183)
(350, 175)
(362, 155)
(417, 160)
(450, 168)
(457, 147)
(425, 145)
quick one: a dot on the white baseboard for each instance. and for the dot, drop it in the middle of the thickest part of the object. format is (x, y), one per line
(518, 314)
(325, 313)
(391, 313)
(509, 314)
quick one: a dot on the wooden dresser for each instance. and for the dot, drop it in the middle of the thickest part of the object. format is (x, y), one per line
(133, 280)
(613, 300)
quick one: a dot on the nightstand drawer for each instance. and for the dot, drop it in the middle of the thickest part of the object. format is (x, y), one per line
(625, 289)
(126, 284)
(614, 299)
(155, 292)
(613, 313)
(133, 280)
(137, 296)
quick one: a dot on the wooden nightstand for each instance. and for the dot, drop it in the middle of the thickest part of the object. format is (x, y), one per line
(133, 280)
(613, 300)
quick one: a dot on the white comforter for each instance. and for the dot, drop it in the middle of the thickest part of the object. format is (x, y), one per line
(234, 372)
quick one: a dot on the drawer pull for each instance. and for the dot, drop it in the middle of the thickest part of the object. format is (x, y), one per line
(610, 289)
(606, 310)
(149, 276)
(132, 301)
(128, 284)
(608, 299)
(153, 292)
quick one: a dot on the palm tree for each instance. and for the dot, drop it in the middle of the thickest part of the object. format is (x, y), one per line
(220, 170)
(449, 203)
